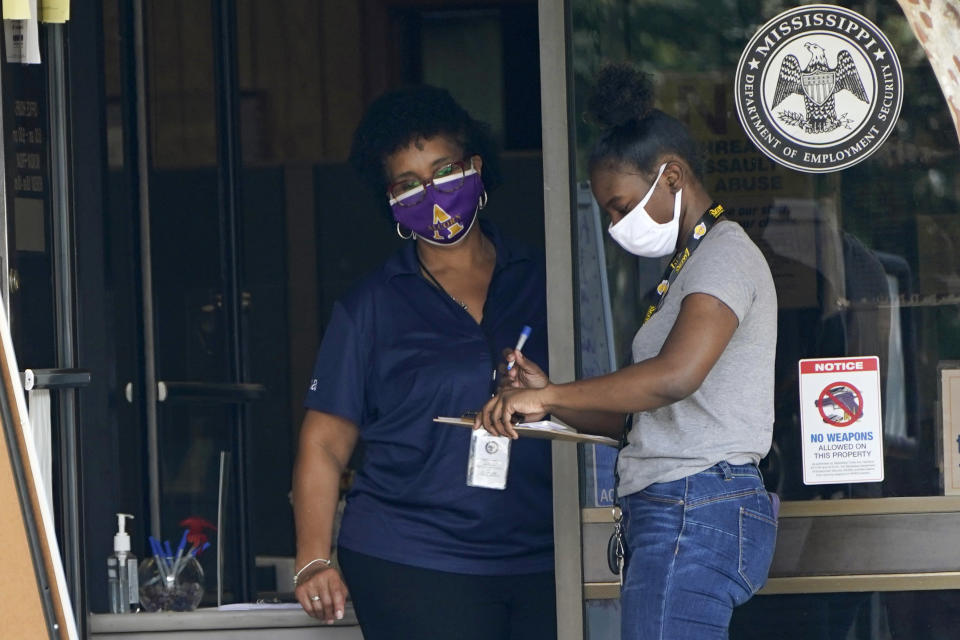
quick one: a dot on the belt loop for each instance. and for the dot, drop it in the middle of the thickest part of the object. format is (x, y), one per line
(725, 467)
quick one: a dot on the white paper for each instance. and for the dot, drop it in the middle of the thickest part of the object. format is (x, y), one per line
(547, 425)
(489, 460)
(40, 419)
(841, 420)
(23, 38)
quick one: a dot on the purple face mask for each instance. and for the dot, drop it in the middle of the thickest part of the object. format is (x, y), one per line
(440, 216)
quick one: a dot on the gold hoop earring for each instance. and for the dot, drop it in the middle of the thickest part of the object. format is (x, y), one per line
(404, 237)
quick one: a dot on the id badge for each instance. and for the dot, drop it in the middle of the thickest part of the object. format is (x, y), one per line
(489, 460)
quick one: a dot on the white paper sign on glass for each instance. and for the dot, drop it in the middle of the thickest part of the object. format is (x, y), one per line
(841, 420)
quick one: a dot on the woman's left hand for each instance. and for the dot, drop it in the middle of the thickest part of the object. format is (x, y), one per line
(497, 415)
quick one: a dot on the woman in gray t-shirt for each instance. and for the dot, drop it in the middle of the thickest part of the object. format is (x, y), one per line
(699, 527)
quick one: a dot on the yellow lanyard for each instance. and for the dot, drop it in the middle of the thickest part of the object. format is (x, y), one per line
(707, 221)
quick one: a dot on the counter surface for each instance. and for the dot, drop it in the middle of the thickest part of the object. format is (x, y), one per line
(213, 624)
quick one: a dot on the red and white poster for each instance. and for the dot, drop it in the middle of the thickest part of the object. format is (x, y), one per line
(841, 420)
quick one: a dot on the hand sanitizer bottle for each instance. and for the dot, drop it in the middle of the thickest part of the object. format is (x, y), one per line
(122, 579)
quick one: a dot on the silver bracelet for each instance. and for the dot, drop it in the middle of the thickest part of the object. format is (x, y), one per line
(296, 577)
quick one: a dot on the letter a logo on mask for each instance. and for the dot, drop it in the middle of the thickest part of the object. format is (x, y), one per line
(442, 220)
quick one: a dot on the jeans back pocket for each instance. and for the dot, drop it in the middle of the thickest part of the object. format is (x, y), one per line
(758, 537)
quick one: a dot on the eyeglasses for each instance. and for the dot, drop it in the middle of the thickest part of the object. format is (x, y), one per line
(446, 179)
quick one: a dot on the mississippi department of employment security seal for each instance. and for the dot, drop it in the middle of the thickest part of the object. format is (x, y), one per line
(819, 88)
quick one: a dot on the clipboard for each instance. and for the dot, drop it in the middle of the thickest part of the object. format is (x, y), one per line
(544, 429)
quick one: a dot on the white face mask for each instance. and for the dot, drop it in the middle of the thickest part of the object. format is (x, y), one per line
(641, 235)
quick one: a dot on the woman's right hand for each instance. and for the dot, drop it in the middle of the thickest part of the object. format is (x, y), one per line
(525, 374)
(327, 586)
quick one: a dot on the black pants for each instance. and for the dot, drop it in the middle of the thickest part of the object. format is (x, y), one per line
(396, 601)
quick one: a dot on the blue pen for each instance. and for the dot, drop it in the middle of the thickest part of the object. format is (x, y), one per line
(158, 557)
(522, 340)
(179, 556)
(183, 541)
(155, 547)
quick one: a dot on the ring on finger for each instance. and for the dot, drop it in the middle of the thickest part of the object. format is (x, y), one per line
(314, 598)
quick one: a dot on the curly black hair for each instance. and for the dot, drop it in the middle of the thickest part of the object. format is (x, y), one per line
(398, 118)
(636, 133)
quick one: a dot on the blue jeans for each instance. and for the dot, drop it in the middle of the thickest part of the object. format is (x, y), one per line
(696, 548)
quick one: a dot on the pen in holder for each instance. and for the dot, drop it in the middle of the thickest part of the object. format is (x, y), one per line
(171, 582)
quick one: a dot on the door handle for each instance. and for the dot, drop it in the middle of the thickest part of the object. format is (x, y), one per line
(209, 392)
(54, 378)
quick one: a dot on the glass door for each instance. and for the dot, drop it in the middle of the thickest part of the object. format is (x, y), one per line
(171, 112)
(860, 260)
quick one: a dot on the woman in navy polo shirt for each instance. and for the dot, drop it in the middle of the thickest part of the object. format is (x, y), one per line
(423, 554)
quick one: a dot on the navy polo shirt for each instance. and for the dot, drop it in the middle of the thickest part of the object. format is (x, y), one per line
(397, 353)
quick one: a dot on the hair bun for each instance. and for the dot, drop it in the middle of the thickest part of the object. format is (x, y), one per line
(622, 95)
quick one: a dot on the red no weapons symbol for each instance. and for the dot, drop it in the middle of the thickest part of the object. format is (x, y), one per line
(840, 404)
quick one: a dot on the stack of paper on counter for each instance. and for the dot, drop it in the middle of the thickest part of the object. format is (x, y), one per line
(547, 429)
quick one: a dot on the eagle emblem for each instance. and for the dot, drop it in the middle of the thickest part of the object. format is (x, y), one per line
(818, 83)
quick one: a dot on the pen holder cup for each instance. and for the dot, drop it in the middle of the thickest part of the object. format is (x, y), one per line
(161, 591)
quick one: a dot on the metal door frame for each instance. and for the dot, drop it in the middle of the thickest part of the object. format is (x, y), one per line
(63, 267)
(558, 181)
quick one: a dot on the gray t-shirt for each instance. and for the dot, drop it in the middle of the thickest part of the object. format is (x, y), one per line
(730, 417)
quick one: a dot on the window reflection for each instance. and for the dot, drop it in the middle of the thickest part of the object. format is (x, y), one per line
(864, 260)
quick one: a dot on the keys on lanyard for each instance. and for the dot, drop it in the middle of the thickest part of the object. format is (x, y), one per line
(615, 547)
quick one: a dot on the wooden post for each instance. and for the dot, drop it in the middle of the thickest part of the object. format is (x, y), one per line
(34, 602)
